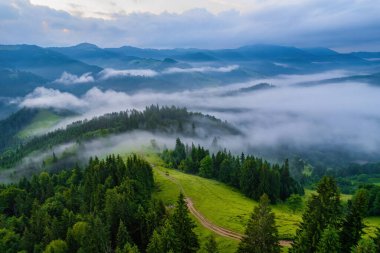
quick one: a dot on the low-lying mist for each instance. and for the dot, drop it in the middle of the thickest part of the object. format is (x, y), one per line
(71, 154)
(340, 115)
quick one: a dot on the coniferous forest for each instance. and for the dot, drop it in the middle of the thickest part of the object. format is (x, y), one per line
(207, 126)
(252, 176)
(105, 207)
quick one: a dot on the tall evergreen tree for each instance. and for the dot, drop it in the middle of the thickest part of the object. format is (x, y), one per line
(352, 227)
(329, 241)
(163, 240)
(187, 240)
(261, 235)
(205, 169)
(122, 235)
(322, 210)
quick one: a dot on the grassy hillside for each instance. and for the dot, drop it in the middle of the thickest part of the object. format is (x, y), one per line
(165, 120)
(221, 204)
(225, 206)
(43, 120)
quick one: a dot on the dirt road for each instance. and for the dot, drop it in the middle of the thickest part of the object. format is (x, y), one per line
(206, 223)
(219, 230)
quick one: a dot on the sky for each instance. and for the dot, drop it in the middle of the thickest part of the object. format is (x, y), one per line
(342, 25)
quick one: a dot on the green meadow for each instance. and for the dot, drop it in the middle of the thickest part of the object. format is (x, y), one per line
(43, 120)
(224, 205)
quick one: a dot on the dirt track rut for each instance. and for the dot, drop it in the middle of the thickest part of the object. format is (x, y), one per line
(205, 222)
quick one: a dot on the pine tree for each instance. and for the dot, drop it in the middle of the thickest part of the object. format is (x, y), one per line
(187, 241)
(285, 181)
(163, 239)
(95, 240)
(261, 235)
(329, 241)
(205, 169)
(122, 235)
(210, 245)
(155, 244)
(365, 245)
(294, 202)
(353, 223)
(376, 240)
(322, 210)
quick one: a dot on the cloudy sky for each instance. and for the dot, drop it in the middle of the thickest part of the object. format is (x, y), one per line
(340, 24)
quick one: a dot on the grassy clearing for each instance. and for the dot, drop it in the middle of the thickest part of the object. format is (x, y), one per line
(228, 208)
(42, 121)
(372, 224)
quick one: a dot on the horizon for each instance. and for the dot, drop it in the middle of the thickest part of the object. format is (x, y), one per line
(190, 48)
(209, 24)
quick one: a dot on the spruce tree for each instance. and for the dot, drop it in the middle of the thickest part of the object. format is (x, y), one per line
(376, 240)
(322, 210)
(163, 239)
(261, 235)
(210, 245)
(329, 241)
(155, 244)
(122, 235)
(187, 240)
(365, 245)
(352, 227)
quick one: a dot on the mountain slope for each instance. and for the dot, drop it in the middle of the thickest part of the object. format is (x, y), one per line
(25, 123)
(164, 120)
(40, 61)
(15, 83)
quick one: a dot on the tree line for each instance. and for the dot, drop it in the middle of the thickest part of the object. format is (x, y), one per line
(153, 118)
(251, 175)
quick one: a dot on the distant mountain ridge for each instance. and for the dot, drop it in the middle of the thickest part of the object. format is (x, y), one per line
(41, 61)
(77, 69)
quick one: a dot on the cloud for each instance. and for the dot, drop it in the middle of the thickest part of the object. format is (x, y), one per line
(109, 73)
(343, 25)
(133, 141)
(45, 98)
(344, 114)
(201, 69)
(68, 79)
(114, 73)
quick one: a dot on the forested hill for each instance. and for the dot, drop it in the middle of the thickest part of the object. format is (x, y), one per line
(169, 120)
(12, 125)
(18, 126)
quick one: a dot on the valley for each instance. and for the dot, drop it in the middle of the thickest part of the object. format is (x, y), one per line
(189, 126)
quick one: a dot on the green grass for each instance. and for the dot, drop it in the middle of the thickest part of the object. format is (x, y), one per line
(374, 180)
(372, 224)
(225, 206)
(225, 245)
(42, 121)
(221, 204)
(228, 208)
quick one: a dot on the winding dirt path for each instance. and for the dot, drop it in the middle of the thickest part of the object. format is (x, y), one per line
(205, 222)
(220, 230)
